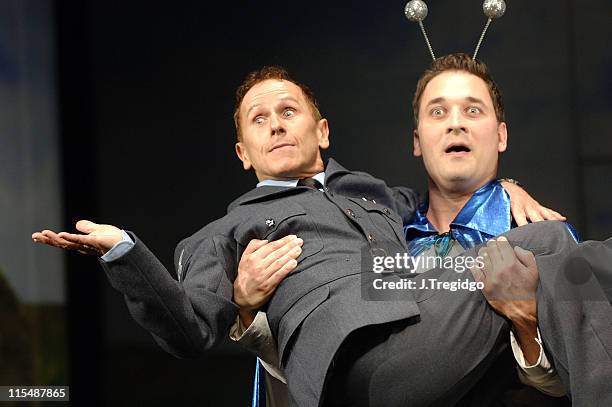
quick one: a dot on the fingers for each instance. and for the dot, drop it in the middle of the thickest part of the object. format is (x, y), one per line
(264, 258)
(486, 260)
(493, 252)
(271, 247)
(281, 251)
(526, 258)
(86, 226)
(254, 245)
(72, 238)
(477, 272)
(533, 215)
(534, 212)
(276, 260)
(278, 276)
(480, 273)
(549, 214)
(507, 254)
(558, 215)
(53, 239)
(38, 237)
(519, 215)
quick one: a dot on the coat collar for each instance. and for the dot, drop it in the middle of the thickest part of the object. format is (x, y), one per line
(266, 192)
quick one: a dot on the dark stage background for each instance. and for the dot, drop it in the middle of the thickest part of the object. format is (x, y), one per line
(146, 135)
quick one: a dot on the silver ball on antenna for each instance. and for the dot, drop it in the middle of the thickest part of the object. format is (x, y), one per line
(494, 8)
(416, 10)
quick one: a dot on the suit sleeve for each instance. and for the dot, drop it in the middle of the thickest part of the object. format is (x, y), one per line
(186, 317)
(406, 201)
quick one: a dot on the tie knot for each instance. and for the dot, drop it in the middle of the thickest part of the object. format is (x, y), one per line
(310, 183)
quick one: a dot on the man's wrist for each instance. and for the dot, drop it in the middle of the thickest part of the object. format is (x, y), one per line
(523, 314)
(526, 331)
(524, 322)
(525, 327)
(119, 249)
(246, 316)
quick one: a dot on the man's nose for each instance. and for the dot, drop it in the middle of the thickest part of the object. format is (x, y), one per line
(276, 126)
(456, 123)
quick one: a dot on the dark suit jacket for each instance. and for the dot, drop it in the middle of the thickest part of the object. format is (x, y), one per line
(356, 217)
(320, 303)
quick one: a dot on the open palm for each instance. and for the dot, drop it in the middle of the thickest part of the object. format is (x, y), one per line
(95, 239)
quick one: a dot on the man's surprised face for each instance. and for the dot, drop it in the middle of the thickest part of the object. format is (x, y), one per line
(280, 136)
(458, 134)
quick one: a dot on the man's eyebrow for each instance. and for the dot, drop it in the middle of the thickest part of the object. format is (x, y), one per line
(251, 108)
(474, 100)
(471, 99)
(435, 100)
(284, 98)
(289, 98)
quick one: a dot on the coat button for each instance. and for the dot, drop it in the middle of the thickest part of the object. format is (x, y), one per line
(387, 211)
(371, 237)
(270, 223)
(350, 213)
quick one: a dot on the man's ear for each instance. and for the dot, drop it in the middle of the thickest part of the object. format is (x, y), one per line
(242, 154)
(323, 134)
(502, 135)
(416, 144)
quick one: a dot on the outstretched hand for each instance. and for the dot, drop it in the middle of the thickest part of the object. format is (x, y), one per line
(96, 239)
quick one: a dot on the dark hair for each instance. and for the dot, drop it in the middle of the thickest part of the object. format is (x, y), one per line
(263, 74)
(458, 62)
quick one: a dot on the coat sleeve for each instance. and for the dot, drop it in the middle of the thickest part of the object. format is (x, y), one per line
(406, 201)
(189, 316)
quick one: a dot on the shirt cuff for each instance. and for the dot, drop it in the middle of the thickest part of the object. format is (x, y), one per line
(238, 331)
(542, 361)
(257, 338)
(119, 249)
(541, 375)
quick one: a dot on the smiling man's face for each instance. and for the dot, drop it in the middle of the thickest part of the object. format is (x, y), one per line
(280, 136)
(458, 134)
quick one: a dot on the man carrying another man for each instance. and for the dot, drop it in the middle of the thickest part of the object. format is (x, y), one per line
(316, 307)
(460, 131)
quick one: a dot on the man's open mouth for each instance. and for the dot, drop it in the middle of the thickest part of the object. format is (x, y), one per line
(458, 149)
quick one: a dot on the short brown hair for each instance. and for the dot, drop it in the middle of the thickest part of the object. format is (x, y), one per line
(458, 62)
(263, 74)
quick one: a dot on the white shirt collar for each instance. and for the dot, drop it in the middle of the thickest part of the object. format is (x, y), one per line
(289, 183)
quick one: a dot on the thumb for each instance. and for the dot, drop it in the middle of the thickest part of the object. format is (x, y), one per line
(86, 226)
(526, 258)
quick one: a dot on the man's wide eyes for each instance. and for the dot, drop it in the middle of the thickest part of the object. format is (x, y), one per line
(473, 110)
(286, 113)
(438, 111)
